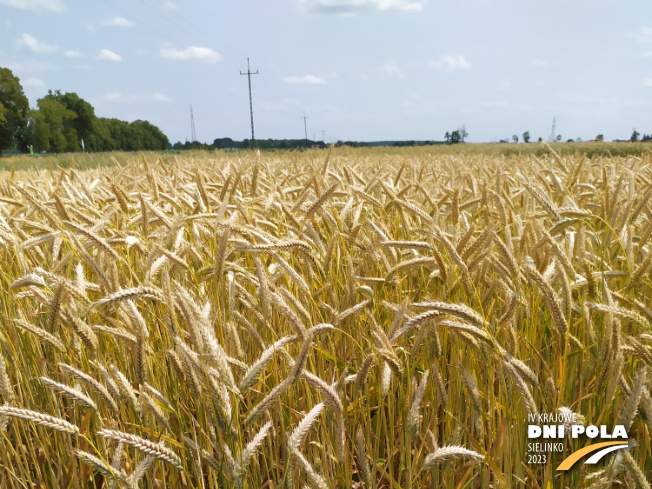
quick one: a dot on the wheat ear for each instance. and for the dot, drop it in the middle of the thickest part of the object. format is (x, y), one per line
(104, 468)
(69, 392)
(140, 292)
(5, 383)
(414, 418)
(93, 384)
(446, 453)
(40, 419)
(299, 433)
(248, 452)
(157, 450)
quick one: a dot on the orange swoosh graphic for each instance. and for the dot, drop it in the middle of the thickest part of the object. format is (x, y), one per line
(575, 456)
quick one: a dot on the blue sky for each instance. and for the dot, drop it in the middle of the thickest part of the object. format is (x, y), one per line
(360, 69)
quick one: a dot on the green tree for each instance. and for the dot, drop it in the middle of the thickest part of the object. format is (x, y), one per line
(526, 137)
(55, 123)
(599, 138)
(87, 125)
(14, 108)
(39, 131)
(515, 139)
(148, 137)
(119, 132)
(457, 136)
(635, 135)
(63, 119)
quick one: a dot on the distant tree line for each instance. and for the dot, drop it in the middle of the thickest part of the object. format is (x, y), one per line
(268, 144)
(645, 138)
(453, 137)
(61, 121)
(190, 145)
(396, 144)
(273, 144)
(635, 137)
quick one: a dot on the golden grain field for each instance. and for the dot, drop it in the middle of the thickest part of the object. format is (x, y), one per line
(341, 318)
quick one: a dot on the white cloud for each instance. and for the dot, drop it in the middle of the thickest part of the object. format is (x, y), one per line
(502, 104)
(107, 55)
(495, 104)
(36, 5)
(71, 53)
(118, 97)
(117, 22)
(605, 101)
(505, 84)
(352, 7)
(207, 55)
(30, 42)
(114, 97)
(646, 54)
(644, 34)
(539, 63)
(271, 107)
(304, 80)
(450, 63)
(33, 83)
(31, 67)
(167, 5)
(159, 97)
(285, 105)
(392, 69)
(647, 82)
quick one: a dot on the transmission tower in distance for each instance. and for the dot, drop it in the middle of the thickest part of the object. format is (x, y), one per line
(305, 126)
(554, 129)
(193, 136)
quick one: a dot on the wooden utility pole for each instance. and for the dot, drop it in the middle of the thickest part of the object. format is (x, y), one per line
(251, 104)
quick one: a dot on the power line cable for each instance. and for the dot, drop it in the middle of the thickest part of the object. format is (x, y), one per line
(144, 24)
(194, 33)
